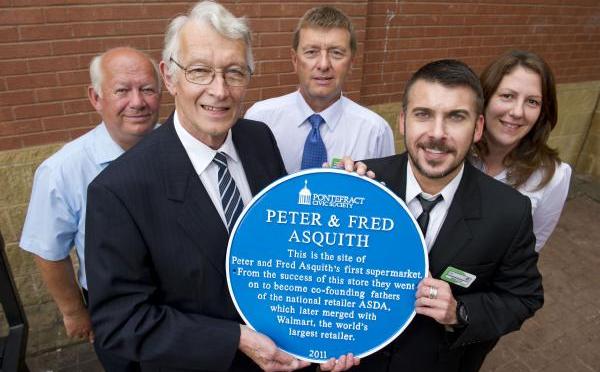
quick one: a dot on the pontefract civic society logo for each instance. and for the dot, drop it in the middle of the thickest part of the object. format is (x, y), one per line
(306, 197)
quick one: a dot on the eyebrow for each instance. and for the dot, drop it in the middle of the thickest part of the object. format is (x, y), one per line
(318, 46)
(514, 91)
(460, 111)
(421, 109)
(448, 113)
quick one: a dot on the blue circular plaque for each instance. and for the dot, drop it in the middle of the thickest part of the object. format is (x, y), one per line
(326, 262)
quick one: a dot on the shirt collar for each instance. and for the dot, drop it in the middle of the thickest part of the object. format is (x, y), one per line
(104, 148)
(200, 154)
(331, 114)
(413, 189)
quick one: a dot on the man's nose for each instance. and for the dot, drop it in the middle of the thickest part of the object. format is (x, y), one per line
(438, 128)
(324, 60)
(137, 99)
(218, 87)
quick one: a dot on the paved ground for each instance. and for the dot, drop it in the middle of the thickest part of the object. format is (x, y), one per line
(563, 336)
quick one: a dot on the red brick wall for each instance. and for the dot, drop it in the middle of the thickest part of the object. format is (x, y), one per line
(403, 35)
(45, 48)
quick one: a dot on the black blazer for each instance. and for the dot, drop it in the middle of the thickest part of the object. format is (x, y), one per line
(155, 254)
(487, 232)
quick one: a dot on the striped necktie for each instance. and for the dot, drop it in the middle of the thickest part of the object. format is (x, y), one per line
(315, 153)
(427, 206)
(230, 195)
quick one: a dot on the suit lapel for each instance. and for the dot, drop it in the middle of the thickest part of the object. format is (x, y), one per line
(455, 233)
(396, 171)
(244, 147)
(198, 216)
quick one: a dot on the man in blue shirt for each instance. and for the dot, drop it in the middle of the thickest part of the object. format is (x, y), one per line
(125, 91)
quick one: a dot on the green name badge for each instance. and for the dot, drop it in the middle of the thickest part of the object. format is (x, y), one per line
(335, 162)
(458, 277)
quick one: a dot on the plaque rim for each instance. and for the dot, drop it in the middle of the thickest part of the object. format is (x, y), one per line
(276, 183)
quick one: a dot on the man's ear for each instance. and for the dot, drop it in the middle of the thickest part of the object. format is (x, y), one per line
(350, 68)
(479, 126)
(94, 98)
(167, 78)
(294, 59)
(401, 119)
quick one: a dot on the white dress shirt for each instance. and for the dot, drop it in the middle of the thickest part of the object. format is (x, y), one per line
(440, 211)
(202, 157)
(546, 203)
(349, 129)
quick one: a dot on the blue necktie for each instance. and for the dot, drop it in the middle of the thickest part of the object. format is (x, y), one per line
(315, 153)
(230, 195)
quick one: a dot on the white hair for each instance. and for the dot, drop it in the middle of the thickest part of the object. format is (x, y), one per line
(208, 12)
(97, 75)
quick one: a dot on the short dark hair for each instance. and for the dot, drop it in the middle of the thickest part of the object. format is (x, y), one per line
(449, 73)
(326, 17)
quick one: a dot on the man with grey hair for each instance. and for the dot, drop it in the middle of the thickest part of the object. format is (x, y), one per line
(317, 123)
(159, 217)
(125, 91)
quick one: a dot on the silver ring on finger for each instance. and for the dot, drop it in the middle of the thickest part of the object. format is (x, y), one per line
(433, 293)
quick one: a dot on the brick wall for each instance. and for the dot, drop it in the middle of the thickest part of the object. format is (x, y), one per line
(45, 48)
(403, 35)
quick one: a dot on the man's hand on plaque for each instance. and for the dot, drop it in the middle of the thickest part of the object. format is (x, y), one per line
(263, 351)
(350, 165)
(435, 300)
(343, 363)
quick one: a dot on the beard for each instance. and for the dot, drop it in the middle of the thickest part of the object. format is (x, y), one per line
(431, 172)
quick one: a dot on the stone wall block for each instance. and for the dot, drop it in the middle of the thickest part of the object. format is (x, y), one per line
(46, 331)
(569, 139)
(6, 229)
(576, 103)
(589, 160)
(576, 106)
(16, 218)
(573, 123)
(569, 147)
(390, 112)
(21, 262)
(15, 183)
(30, 155)
(43, 316)
(32, 289)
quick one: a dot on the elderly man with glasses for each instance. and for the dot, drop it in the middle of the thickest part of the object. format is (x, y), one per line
(159, 218)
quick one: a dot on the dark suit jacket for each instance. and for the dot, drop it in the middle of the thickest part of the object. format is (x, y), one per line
(487, 232)
(155, 254)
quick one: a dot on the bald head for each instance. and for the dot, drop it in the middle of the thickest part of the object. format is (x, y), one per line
(125, 91)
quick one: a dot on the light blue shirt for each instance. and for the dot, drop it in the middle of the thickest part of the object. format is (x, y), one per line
(55, 219)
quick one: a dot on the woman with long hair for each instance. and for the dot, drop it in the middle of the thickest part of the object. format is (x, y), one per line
(520, 112)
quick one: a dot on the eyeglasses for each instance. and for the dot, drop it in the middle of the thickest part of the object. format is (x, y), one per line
(204, 75)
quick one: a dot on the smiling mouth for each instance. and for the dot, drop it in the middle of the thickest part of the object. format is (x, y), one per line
(138, 116)
(435, 149)
(510, 125)
(214, 108)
